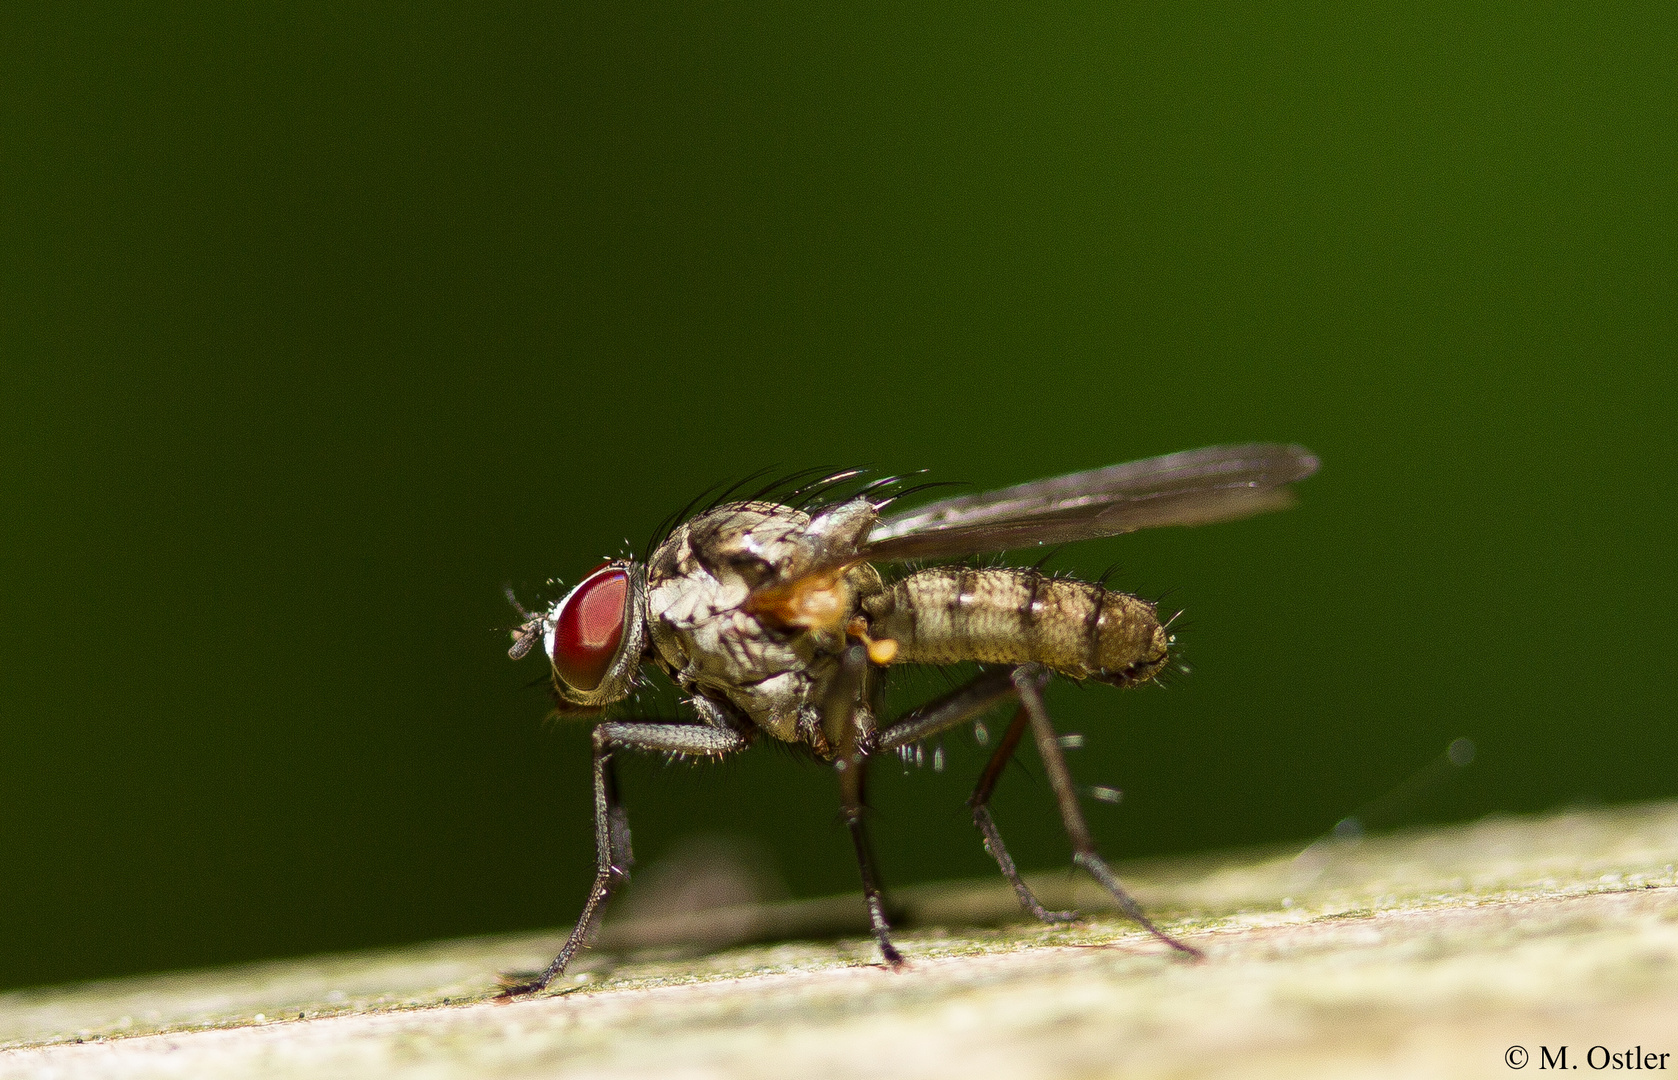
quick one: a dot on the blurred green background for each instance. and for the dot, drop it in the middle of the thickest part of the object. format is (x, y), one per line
(320, 324)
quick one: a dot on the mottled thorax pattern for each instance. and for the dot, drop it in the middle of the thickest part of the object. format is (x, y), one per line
(699, 581)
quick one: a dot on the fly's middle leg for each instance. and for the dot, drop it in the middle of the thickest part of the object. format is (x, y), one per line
(852, 764)
(1023, 684)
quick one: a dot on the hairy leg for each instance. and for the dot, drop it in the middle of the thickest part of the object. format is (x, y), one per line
(851, 762)
(1072, 815)
(979, 803)
(961, 705)
(613, 856)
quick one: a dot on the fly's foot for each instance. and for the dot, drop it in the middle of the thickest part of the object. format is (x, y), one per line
(519, 984)
(1099, 870)
(1056, 918)
(511, 989)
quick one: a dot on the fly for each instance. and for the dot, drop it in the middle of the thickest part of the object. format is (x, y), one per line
(777, 622)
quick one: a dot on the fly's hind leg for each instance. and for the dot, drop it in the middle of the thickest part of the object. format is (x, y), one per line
(611, 824)
(1028, 685)
(966, 703)
(979, 803)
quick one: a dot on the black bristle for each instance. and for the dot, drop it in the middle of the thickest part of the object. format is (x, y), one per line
(817, 493)
(781, 484)
(722, 496)
(668, 526)
(1047, 555)
(928, 486)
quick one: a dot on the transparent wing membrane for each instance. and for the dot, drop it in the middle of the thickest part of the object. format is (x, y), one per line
(1195, 487)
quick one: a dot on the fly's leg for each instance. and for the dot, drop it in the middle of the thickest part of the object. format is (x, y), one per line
(979, 803)
(851, 761)
(967, 702)
(613, 857)
(1027, 684)
(852, 805)
(988, 690)
(961, 705)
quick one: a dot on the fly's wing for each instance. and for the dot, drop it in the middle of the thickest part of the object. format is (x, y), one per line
(1195, 487)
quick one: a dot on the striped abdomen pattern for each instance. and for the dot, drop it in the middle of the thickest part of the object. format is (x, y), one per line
(1005, 615)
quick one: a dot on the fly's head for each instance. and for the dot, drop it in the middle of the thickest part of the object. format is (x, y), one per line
(594, 636)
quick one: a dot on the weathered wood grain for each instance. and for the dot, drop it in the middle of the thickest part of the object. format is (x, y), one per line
(1428, 953)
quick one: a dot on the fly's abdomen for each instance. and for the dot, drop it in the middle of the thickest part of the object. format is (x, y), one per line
(1010, 616)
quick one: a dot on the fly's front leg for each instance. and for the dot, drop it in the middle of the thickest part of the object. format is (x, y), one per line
(1071, 815)
(611, 824)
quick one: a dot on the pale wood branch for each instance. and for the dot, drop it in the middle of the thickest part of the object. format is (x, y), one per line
(1423, 953)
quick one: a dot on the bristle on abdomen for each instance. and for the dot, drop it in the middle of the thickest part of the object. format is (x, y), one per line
(946, 615)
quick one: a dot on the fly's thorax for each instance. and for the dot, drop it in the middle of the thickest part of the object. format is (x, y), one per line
(820, 588)
(946, 615)
(707, 635)
(697, 583)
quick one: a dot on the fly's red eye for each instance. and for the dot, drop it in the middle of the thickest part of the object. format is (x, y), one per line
(589, 628)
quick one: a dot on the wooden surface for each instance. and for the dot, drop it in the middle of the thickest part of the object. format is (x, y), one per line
(1428, 953)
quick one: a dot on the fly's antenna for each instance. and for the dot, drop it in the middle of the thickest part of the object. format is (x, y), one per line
(525, 636)
(512, 598)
